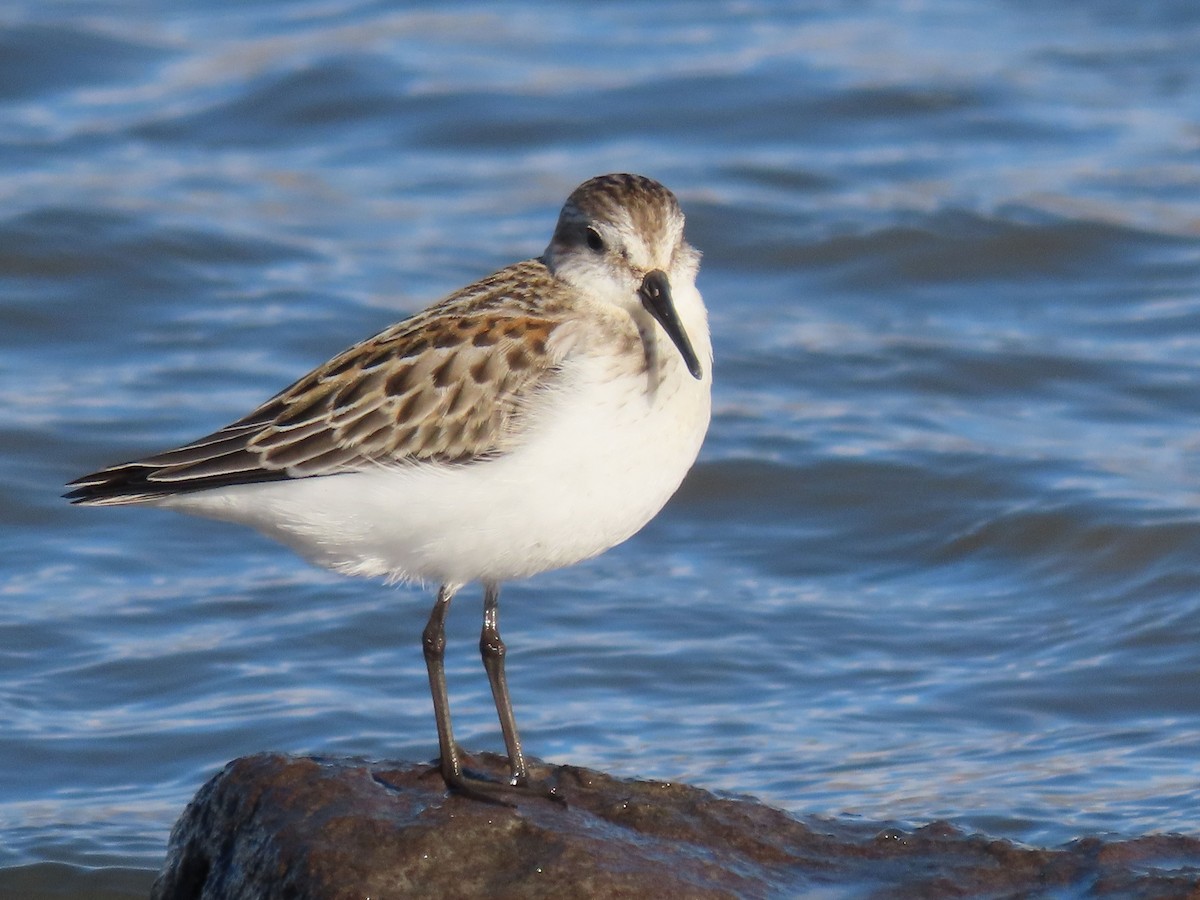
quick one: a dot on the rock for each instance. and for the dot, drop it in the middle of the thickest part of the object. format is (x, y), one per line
(273, 826)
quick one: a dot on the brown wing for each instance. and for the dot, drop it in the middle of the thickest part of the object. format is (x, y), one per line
(447, 385)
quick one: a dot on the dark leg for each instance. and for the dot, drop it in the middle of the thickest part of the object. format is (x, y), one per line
(492, 649)
(433, 642)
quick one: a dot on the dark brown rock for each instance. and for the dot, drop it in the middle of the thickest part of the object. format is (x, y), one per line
(272, 826)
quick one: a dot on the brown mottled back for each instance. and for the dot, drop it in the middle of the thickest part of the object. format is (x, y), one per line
(446, 385)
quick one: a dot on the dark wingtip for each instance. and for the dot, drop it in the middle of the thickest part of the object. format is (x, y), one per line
(126, 483)
(135, 483)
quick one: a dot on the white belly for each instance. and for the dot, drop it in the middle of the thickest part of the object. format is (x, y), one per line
(602, 457)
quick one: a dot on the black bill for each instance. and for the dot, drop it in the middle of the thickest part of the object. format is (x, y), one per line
(656, 297)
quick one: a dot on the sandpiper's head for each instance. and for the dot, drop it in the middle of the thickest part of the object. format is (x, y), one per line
(620, 238)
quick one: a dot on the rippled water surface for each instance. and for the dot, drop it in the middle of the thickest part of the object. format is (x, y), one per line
(940, 557)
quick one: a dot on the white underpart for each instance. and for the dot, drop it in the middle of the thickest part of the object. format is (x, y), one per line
(602, 455)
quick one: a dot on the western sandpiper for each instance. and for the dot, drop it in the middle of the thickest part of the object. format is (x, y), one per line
(528, 421)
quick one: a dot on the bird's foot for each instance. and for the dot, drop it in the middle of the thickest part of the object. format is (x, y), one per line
(500, 793)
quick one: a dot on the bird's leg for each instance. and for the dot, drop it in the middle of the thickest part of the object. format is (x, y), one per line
(492, 649)
(433, 642)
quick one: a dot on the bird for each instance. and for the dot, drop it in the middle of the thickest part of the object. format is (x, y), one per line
(523, 423)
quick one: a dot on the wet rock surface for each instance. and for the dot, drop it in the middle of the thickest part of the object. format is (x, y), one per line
(274, 826)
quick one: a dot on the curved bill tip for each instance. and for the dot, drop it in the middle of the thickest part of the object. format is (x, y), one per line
(655, 294)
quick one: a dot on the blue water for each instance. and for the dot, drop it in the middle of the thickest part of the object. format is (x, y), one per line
(940, 557)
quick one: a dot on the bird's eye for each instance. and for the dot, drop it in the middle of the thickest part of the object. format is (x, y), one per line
(594, 240)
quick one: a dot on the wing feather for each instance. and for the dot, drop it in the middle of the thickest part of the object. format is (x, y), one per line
(448, 385)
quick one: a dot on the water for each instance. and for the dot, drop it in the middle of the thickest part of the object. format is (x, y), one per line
(939, 557)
